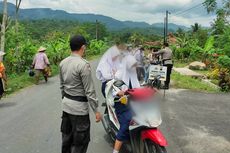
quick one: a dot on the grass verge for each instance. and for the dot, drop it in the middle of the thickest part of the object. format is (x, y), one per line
(204, 72)
(185, 82)
(180, 64)
(17, 82)
(22, 80)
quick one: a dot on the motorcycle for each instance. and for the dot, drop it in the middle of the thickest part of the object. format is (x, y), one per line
(145, 136)
(157, 74)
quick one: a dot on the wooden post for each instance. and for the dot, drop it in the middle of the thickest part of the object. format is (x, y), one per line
(18, 3)
(96, 30)
(164, 30)
(3, 27)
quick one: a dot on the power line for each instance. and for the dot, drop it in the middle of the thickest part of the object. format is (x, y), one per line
(182, 12)
(185, 6)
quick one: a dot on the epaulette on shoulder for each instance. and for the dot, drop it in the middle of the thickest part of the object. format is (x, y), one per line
(85, 60)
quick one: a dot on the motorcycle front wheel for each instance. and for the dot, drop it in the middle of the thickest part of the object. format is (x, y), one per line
(151, 147)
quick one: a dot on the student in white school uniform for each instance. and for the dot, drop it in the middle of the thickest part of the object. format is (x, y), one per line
(128, 75)
(109, 64)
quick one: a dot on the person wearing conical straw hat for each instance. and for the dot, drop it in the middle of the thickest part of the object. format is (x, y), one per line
(3, 78)
(40, 63)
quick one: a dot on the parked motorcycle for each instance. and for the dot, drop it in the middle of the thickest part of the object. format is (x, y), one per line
(157, 74)
(145, 136)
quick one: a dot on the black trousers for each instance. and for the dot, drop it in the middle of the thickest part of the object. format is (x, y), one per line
(1, 87)
(75, 133)
(169, 71)
(140, 73)
(103, 86)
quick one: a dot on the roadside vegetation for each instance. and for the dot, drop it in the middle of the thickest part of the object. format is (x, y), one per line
(19, 57)
(186, 82)
(208, 45)
(22, 44)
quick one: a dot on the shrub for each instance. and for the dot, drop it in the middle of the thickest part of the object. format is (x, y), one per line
(224, 61)
(97, 47)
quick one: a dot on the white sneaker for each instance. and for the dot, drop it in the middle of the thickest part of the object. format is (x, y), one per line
(143, 84)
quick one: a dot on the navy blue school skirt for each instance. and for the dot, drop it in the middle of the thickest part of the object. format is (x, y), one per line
(124, 116)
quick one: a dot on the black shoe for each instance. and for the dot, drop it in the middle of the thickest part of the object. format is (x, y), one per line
(165, 87)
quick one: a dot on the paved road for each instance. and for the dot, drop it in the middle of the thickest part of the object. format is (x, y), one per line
(192, 122)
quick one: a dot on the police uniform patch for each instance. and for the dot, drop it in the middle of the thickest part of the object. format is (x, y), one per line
(88, 66)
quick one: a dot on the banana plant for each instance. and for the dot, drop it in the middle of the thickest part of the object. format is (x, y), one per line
(209, 44)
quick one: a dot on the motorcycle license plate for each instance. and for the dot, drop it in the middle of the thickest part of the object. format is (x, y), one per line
(157, 70)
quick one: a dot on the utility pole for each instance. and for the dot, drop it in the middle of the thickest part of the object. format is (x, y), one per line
(166, 25)
(18, 3)
(164, 30)
(3, 26)
(96, 30)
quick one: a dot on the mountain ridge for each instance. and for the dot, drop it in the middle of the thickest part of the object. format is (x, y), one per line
(111, 23)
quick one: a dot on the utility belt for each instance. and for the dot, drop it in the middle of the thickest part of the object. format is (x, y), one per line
(166, 60)
(76, 98)
(106, 81)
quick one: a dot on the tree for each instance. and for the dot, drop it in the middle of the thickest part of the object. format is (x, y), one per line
(101, 30)
(227, 8)
(220, 23)
(201, 35)
(137, 39)
(18, 3)
(195, 27)
(223, 11)
(212, 6)
(223, 42)
(180, 32)
(3, 26)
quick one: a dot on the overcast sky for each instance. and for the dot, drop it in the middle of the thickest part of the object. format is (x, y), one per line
(150, 11)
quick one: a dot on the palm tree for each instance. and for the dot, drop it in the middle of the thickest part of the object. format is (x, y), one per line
(227, 8)
(195, 27)
(212, 6)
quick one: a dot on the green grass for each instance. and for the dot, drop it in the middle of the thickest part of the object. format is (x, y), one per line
(204, 72)
(185, 82)
(17, 82)
(215, 81)
(22, 80)
(180, 64)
